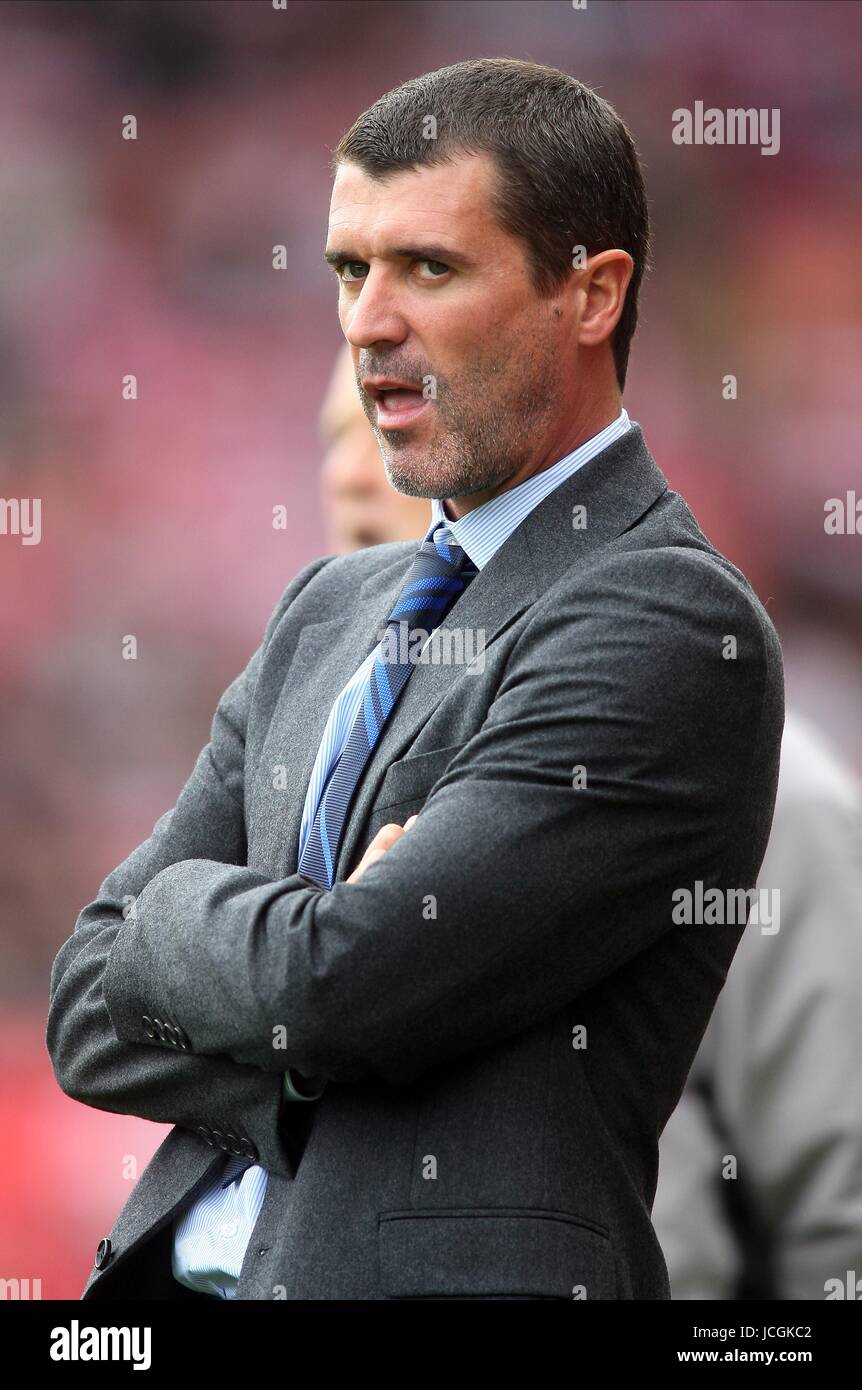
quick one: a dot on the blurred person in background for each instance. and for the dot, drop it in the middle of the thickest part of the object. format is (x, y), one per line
(775, 1081)
(760, 1175)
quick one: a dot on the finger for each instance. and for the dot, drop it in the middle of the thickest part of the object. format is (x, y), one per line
(383, 840)
(386, 836)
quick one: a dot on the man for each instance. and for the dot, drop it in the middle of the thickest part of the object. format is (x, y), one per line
(440, 1056)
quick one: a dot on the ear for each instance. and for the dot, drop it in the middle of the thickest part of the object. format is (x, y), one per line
(605, 280)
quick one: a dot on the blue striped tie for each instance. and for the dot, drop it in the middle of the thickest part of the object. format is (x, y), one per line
(440, 572)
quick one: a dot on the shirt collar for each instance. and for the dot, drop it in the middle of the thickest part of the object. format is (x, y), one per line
(484, 529)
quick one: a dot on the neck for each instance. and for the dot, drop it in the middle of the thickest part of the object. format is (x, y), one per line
(576, 433)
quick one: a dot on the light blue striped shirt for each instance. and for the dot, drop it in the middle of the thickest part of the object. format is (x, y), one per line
(211, 1237)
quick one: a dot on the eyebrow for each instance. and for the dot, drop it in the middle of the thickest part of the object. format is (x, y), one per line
(432, 252)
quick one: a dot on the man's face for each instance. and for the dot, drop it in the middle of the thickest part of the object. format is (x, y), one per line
(434, 294)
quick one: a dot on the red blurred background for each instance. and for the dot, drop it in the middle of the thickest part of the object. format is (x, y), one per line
(154, 257)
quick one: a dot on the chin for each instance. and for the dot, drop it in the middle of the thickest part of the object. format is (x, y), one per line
(406, 484)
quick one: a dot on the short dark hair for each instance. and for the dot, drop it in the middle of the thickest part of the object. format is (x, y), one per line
(568, 170)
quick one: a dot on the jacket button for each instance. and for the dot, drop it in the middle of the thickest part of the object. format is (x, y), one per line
(148, 1025)
(206, 1135)
(248, 1150)
(103, 1253)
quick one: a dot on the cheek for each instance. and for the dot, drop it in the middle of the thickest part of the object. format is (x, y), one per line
(488, 337)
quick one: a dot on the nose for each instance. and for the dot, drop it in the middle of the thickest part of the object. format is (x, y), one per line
(373, 315)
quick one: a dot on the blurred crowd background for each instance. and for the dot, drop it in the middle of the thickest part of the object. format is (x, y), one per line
(154, 256)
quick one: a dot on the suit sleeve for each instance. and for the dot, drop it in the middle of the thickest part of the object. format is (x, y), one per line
(166, 1081)
(518, 887)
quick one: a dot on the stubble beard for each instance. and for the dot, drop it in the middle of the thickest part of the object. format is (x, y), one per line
(472, 449)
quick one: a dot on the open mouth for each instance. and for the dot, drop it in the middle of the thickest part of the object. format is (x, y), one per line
(397, 406)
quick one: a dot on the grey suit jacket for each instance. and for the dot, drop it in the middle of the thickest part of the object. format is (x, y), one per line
(503, 1007)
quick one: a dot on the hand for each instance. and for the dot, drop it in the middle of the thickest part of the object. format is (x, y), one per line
(385, 838)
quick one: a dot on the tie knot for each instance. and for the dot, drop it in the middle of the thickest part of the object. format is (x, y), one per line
(447, 548)
(433, 584)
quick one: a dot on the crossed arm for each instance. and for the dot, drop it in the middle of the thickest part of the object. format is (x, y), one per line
(512, 893)
(130, 1075)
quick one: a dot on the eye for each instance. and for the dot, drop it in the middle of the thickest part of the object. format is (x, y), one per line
(350, 265)
(438, 267)
(351, 272)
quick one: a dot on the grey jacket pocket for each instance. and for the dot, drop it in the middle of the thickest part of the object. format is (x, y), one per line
(410, 778)
(494, 1252)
